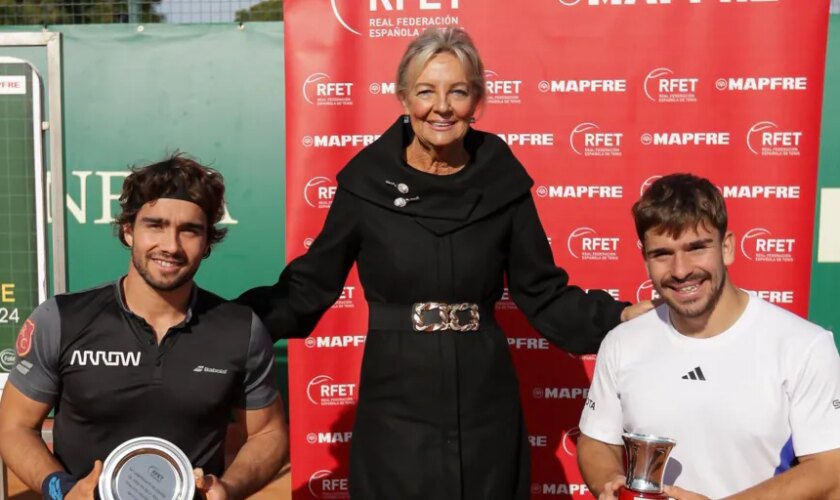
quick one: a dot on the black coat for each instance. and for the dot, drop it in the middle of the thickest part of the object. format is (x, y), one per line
(439, 414)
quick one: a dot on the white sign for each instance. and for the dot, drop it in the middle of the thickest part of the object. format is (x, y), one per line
(12, 84)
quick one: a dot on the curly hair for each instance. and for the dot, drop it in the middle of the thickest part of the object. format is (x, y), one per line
(178, 176)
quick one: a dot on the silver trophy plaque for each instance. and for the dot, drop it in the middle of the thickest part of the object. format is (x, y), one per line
(147, 468)
(646, 458)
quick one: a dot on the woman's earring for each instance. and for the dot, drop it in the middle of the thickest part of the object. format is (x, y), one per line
(472, 119)
(405, 119)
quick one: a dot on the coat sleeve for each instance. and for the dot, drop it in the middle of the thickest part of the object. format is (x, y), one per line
(569, 317)
(311, 283)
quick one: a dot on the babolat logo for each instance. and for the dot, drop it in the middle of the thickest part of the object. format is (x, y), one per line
(207, 369)
(647, 183)
(646, 291)
(528, 343)
(500, 91)
(582, 86)
(761, 83)
(662, 86)
(757, 245)
(335, 341)
(758, 192)
(319, 90)
(319, 192)
(564, 489)
(580, 191)
(685, 139)
(570, 438)
(328, 437)
(322, 391)
(765, 139)
(585, 243)
(338, 141)
(587, 139)
(345, 300)
(383, 88)
(528, 139)
(105, 358)
(325, 485)
(776, 296)
(560, 392)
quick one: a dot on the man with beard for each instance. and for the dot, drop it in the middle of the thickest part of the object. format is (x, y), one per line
(150, 354)
(745, 388)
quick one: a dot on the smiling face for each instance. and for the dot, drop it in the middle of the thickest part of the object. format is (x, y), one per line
(689, 271)
(440, 103)
(168, 239)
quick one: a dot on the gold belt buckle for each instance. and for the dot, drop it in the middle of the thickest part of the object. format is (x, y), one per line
(448, 317)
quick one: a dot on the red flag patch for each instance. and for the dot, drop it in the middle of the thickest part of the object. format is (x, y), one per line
(24, 338)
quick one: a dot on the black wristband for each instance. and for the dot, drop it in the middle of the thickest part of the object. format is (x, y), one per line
(57, 485)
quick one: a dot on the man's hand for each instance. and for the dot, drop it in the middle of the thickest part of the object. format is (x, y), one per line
(678, 493)
(84, 488)
(636, 309)
(610, 491)
(210, 486)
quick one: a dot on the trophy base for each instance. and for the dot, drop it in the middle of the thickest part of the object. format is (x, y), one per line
(627, 494)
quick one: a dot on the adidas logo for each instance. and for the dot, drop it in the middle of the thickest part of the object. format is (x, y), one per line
(695, 374)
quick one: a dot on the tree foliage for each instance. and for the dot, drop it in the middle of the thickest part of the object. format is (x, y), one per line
(267, 10)
(48, 12)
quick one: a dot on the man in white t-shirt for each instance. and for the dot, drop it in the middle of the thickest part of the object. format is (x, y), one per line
(746, 388)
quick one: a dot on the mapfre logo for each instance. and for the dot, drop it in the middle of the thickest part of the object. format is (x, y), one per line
(584, 243)
(319, 192)
(762, 83)
(383, 88)
(766, 139)
(649, 3)
(560, 392)
(758, 245)
(580, 192)
(528, 139)
(559, 489)
(647, 183)
(587, 139)
(346, 299)
(335, 341)
(338, 141)
(776, 296)
(661, 85)
(582, 86)
(387, 19)
(538, 441)
(569, 441)
(319, 90)
(528, 343)
(325, 485)
(683, 139)
(328, 437)
(501, 91)
(646, 291)
(761, 192)
(323, 391)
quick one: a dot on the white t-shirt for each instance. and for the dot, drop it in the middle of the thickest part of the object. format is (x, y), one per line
(740, 405)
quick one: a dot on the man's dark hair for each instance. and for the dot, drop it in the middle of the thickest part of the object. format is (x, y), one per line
(179, 177)
(676, 202)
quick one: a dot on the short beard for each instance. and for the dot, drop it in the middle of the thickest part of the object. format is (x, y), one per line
(689, 312)
(143, 270)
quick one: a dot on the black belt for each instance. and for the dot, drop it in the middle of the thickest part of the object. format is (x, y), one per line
(429, 316)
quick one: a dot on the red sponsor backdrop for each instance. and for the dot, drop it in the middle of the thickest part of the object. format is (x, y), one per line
(597, 98)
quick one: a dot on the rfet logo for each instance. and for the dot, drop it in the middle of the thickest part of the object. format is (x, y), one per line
(585, 243)
(323, 391)
(501, 91)
(346, 299)
(24, 338)
(587, 139)
(662, 86)
(646, 291)
(766, 139)
(394, 27)
(325, 485)
(569, 441)
(758, 245)
(319, 90)
(319, 192)
(505, 302)
(647, 183)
